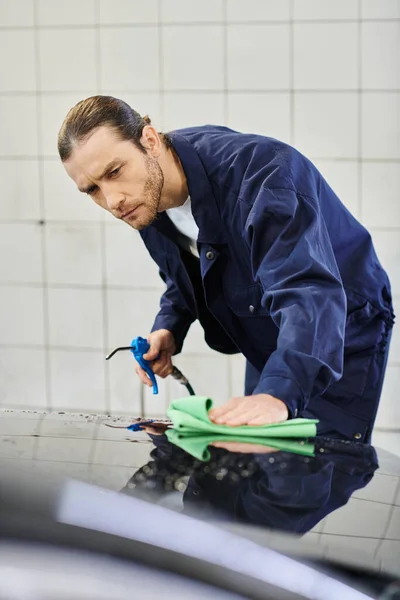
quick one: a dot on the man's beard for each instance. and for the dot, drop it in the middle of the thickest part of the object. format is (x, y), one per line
(147, 213)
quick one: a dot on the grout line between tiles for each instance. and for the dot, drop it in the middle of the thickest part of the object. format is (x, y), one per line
(103, 351)
(161, 65)
(17, 158)
(225, 63)
(39, 125)
(129, 288)
(185, 24)
(80, 286)
(103, 234)
(359, 113)
(291, 75)
(197, 92)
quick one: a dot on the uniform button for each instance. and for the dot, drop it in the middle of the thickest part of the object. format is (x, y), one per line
(210, 255)
(357, 436)
(251, 308)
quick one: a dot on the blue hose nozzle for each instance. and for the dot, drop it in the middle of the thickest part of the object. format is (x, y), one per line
(139, 347)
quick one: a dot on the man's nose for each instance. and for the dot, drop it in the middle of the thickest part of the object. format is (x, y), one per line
(115, 201)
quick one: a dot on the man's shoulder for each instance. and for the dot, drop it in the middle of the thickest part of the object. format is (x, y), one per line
(219, 135)
(230, 157)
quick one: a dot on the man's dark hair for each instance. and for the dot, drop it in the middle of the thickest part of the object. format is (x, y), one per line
(97, 111)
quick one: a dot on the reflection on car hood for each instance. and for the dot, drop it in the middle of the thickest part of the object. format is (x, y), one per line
(337, 495)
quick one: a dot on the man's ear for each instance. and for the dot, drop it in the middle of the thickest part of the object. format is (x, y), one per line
(150, 140)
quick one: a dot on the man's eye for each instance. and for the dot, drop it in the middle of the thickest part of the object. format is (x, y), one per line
(114, 172)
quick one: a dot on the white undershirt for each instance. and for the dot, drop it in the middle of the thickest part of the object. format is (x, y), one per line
(184, 222)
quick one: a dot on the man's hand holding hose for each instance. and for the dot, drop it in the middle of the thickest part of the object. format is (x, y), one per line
(162, 348)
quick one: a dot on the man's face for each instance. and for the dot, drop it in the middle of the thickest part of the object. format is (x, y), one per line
(118, 177)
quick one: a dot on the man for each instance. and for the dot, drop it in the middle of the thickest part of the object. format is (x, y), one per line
(252, 241)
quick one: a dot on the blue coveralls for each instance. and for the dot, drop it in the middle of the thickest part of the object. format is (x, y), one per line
(287, 276)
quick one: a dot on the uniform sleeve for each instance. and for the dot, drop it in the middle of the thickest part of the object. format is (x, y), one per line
(293, 260)
(173, 314)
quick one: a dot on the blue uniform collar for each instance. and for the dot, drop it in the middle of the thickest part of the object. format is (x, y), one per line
(204, 206)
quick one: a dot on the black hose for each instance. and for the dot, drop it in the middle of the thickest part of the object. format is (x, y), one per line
(190, 389)
(176, 374)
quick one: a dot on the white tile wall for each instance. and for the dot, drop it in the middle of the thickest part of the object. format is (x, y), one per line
(250, 50)
(75, 318)
(67, 59)
(19, 182)
(135, 52)
(127, 11)
(188, 109)
(77, 380)
(74, 253)
(130, 313)
(325, 124)
(157, 404)
(343, 178)
(19, 13)
(381, 125)
(178, 11)
(194, 342)
(202, 68)
(57, 12)
(325, 9)
(380, 43)
(23, 374)
(21, 316)
(127, 261)
(334, 66)
(206, 373)
(267, 10)
(266, 66)
(237, 373)
(382, 9)
(20, 45)
(24, 265)
(387, 244)
(390, 409)
(381, 193)
(18, 127)
(395, 343)
(125, 386)
(269, 114)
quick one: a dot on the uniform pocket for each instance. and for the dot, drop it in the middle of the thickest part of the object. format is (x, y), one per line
(245, 301)
(255, 320)
(364, 328)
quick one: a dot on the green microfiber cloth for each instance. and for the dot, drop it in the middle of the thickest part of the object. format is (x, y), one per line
(197, 445)
(190, 416)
